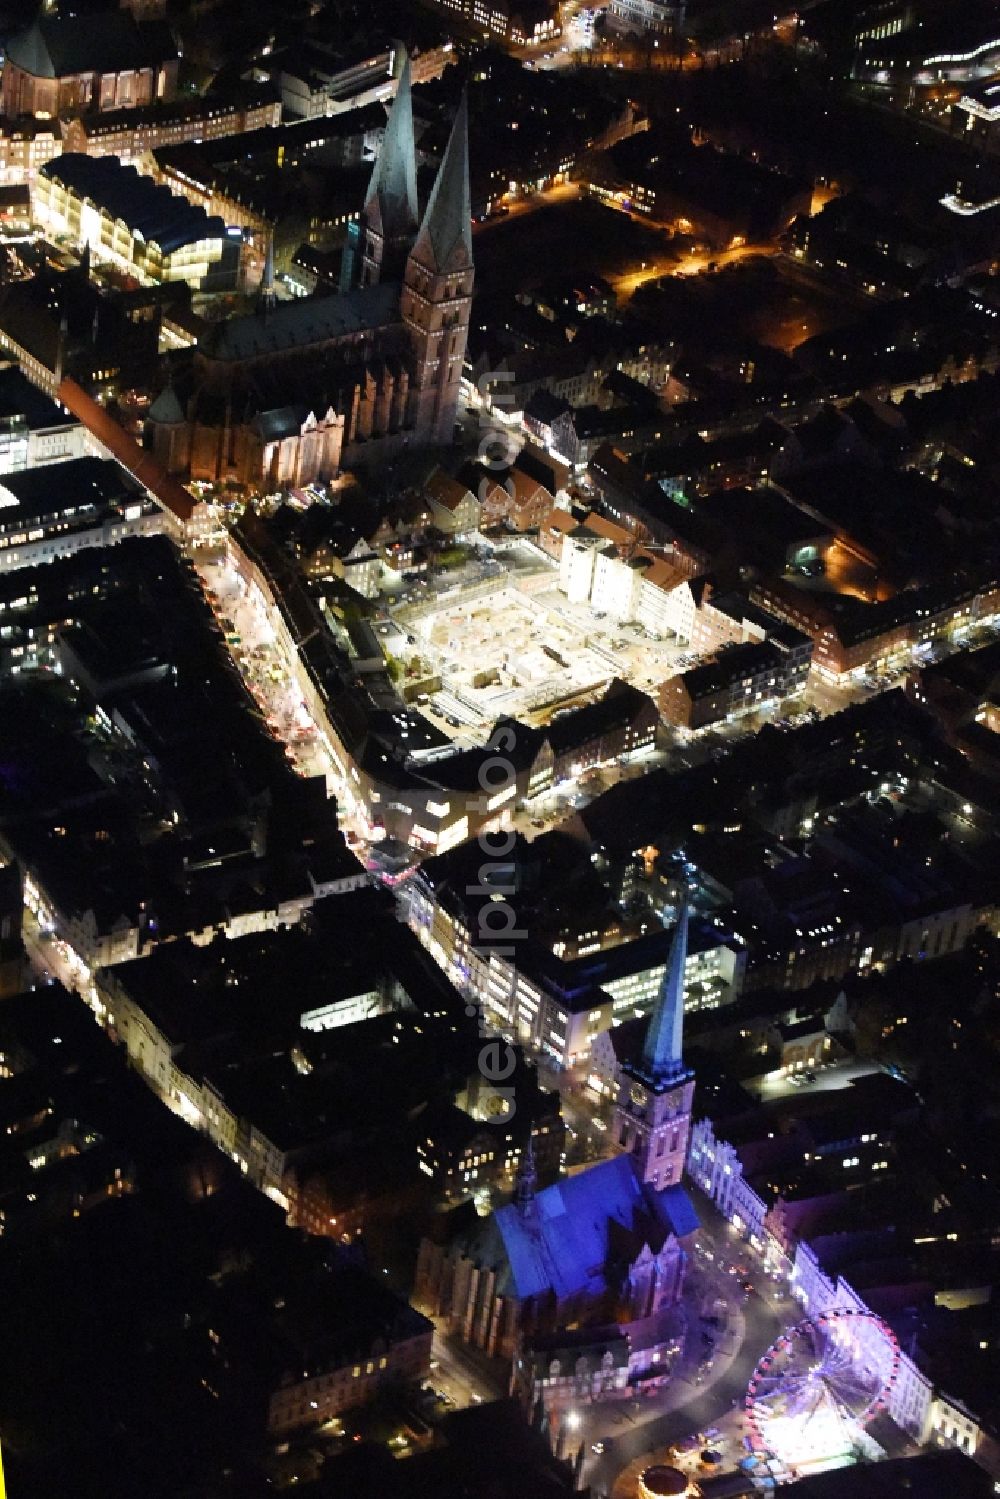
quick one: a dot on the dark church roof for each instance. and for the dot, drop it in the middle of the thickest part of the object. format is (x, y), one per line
(112, 42)
(279, 422)
(18, 397)
(308, 320)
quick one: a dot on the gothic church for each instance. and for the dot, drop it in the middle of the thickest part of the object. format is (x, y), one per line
(606, 1244)
(296, 391)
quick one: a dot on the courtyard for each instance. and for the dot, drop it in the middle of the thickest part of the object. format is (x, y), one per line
(526, 653)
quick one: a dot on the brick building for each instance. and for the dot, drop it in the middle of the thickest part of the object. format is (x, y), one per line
(63, 66)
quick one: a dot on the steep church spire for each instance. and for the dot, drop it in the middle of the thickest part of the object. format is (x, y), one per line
(445, 239)
(265, 293)
(656, 1093)
(527, 1178)
(391, 204)
(662, 1052)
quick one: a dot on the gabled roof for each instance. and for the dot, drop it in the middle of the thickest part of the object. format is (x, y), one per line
(736, 663)
(663, 574)
(560, 520)
(542, 466)
(526, 486)
(443, 490)
(445, 239)
(544, 407)
(621, 706)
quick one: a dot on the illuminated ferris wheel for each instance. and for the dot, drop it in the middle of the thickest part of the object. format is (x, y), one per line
(819, 1382)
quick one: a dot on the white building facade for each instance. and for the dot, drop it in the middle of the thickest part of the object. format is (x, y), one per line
(923, 1412)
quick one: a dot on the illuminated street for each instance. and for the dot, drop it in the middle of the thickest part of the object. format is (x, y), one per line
(271, 679)
(700, 1396)
(692, 264)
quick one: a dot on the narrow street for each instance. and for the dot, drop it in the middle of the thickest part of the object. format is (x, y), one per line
(271, 679)
(673, 264)
(559, 192)
(53, 958)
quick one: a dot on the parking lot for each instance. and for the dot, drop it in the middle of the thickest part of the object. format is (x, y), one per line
(828, 1077)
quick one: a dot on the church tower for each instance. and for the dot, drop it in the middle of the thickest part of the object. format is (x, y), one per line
(437, 291)
(390, 217)
(653, 1114)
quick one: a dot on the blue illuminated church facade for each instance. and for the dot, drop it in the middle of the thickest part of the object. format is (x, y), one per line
(607, 1245)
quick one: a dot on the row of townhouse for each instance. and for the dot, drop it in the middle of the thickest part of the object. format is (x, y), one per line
(154, 1053)
(130, 133)
(29, 142)
(742, 679)
(603, 565)
(850, 637)
(831, 949)
(401, 803)
(523, 497)
(758, 659)
(918, 1408)
(99, 939)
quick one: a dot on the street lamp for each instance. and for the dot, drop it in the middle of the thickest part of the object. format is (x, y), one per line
(573, 1420)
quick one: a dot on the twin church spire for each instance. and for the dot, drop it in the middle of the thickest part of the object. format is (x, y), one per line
(391, 202)
(445, 239)
(392, 227)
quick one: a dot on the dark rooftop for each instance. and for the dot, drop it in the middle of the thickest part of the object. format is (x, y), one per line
(102, 42)
(145, 207)
(79, 484)
(19, 397)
